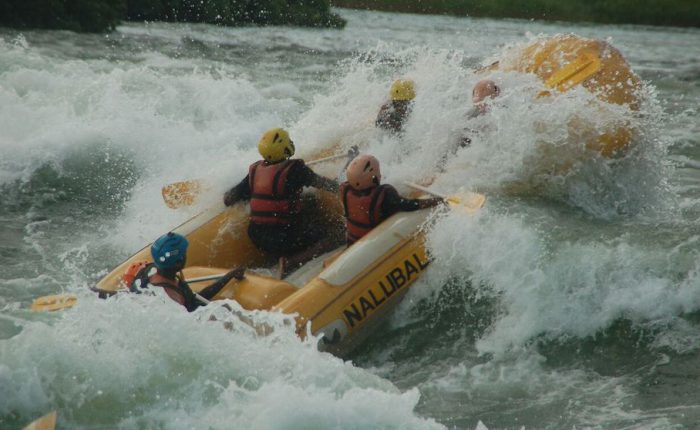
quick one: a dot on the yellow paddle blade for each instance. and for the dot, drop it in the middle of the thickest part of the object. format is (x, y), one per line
(179, 194)
(54, 303)
(577, 71)
(47, 422)
(470, 202)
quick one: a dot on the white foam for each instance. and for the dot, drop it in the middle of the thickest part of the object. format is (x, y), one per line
(155, 364)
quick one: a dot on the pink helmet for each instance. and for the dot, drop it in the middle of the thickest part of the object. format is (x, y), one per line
(483, 89)
(363, 172)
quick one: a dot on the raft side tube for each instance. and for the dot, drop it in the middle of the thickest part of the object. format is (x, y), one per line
(363, 284)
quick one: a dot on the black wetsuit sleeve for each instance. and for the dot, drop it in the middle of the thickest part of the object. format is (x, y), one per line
(212, 290)
(393, 203)
(238, 193)
(191, 301)
(302, 176)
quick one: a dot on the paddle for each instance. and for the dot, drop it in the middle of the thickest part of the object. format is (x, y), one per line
(179, 194)
(47, 422)
(578, 70)
(185, 193)
(54, 302)
(58, 302)
(471, 202)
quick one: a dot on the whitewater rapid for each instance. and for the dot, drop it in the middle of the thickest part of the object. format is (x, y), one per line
(569, 301)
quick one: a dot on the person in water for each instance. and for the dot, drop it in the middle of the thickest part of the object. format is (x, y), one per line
(367, 202)
(169, 254)
(394, 113)
(483, 91)
(274, 186)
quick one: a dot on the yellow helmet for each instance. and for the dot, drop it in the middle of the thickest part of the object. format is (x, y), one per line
(403, 89)
(275, 145)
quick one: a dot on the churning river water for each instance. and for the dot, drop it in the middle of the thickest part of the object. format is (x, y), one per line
(571, 301)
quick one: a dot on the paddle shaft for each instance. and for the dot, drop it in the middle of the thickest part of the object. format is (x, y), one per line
(202, 299)
(202, 279)
(425, 190)
(67, 304)
(205, 278)
(324, 159)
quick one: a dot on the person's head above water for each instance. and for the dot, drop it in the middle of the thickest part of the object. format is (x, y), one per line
(402, 90)
(363, 172)
(485, 89)
(169, 251)
(275, 145)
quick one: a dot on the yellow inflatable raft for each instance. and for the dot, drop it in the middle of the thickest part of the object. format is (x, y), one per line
(341, 294)
(565, 61)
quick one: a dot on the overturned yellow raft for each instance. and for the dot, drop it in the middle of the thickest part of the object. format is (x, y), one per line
(566, 61)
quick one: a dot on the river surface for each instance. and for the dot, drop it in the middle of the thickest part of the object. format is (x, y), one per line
(571, 301)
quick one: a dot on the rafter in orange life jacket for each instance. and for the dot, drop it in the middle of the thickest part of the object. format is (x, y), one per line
(363, 210)
(271, 203)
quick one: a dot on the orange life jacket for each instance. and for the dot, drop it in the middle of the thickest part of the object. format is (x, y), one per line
(363, 210)
(271, 202)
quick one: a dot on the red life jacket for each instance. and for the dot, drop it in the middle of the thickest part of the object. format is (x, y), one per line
(171, 287)
(271, 202)
(363, 210)
(141, 272)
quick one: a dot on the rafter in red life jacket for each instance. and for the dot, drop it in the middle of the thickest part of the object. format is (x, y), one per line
(363, 210)
(146, 274)
(271, 202)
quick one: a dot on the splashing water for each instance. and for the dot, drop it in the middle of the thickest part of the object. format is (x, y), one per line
(567, 302)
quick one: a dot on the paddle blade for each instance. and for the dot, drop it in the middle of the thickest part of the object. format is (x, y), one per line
(179, 194)
(470, 202)
(54, 303)
(47, 422)
(576, 72)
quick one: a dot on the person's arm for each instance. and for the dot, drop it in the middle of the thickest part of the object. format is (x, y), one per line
(430, 203)
(212, 290)
(353, 152)
(191, 300)
(309, 178)
(393, 202)
(238, 193)
(324, 183)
